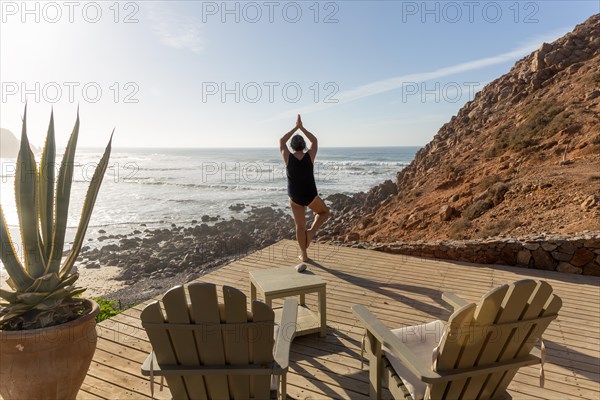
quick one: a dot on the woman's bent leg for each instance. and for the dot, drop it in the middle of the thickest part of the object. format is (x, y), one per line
(321, 214)
(299, 213)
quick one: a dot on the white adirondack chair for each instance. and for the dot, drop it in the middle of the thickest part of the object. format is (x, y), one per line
(207, 350)
(474, 355)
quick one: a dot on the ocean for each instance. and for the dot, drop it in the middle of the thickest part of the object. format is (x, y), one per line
(164, 186)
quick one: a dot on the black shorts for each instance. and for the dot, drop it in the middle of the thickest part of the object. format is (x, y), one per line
(303, 201)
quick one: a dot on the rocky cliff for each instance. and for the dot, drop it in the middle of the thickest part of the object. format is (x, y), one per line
(523, 157)
(10, 145)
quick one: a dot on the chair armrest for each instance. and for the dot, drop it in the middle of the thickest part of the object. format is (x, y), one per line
(146, 370)
(423, 370)
(455, 301)
(417, 366)
(287, 332)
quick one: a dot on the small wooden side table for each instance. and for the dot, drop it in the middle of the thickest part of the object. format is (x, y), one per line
(286, 282)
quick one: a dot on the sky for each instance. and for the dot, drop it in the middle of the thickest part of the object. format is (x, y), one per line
(235, 74)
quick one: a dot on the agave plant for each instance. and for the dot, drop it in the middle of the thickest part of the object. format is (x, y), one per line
(43, 282)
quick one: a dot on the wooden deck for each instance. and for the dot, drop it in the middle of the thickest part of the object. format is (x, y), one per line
(400, 290)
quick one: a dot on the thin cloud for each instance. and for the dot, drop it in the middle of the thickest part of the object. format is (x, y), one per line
(386, 85)
(177, 31)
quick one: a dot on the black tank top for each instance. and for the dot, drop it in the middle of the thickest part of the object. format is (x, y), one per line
(302, 188)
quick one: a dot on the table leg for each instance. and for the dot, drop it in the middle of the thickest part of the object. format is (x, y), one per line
(302, 299)
(323, 312)
(268, 301)
(252, 292)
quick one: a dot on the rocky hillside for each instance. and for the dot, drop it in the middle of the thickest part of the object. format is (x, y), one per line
(10, 145)
(523, 157)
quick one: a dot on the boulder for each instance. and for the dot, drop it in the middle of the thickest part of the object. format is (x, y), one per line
(557, 255)
(549, 246)
(380, 193)
(591, 269)
(589, 202)
(237, 207)
(567, 248)
(352, 237)
(531, 246)
(581, 257)
(592, 95)
(569, 268)
(446, 212)
(523, 257)
(542, 260)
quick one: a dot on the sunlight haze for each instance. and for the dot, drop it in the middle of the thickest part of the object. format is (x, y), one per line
(235, 74)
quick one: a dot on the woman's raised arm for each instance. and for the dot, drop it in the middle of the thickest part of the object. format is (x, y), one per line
(314, 142)
(283, 144)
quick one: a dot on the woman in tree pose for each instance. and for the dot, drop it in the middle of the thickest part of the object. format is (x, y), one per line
(301, 187)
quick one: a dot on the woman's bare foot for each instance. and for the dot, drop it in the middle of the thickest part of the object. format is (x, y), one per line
(310, 234)
(303, 258)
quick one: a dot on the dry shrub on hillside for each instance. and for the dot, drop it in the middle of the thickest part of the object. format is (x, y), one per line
(494, 196)
(544, 119)
(497, 228)
(458, 229)
(489, 181)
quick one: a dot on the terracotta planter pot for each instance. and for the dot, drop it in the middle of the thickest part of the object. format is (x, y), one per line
(48, 363)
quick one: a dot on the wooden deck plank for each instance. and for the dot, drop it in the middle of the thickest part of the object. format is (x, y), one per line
(397, 290)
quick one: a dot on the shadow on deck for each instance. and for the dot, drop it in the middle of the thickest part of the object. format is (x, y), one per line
(400, 290)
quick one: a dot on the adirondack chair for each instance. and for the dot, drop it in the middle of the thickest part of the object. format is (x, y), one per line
(207, 350)
(474, 355)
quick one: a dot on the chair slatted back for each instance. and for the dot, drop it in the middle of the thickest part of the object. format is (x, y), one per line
(550, 308)
(210, 347)
(504, 325)
(224, 335)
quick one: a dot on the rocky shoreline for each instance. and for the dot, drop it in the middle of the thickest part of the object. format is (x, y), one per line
(150, 261)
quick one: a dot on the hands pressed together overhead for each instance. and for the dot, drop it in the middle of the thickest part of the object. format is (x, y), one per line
(311, 138)
(299, 122)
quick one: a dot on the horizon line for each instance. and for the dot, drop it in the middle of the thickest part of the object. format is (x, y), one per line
(245, 147)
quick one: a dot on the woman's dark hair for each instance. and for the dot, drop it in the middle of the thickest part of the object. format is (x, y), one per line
(298, 143)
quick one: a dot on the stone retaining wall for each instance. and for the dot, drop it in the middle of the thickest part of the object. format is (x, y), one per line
(577, 254)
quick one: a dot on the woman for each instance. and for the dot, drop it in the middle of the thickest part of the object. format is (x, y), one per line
(302, 189)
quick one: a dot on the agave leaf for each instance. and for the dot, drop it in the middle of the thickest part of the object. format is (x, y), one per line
(48, 300)
(11, 284)
(11, 297)
(63, 195)
(49, 305)
(71, 279)
(66, 292)
(76, 291)
(27, 206)
(20, 279)
(46, 283)
(14, 310)
(32, 298)
(86, 213)
(46, 189)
